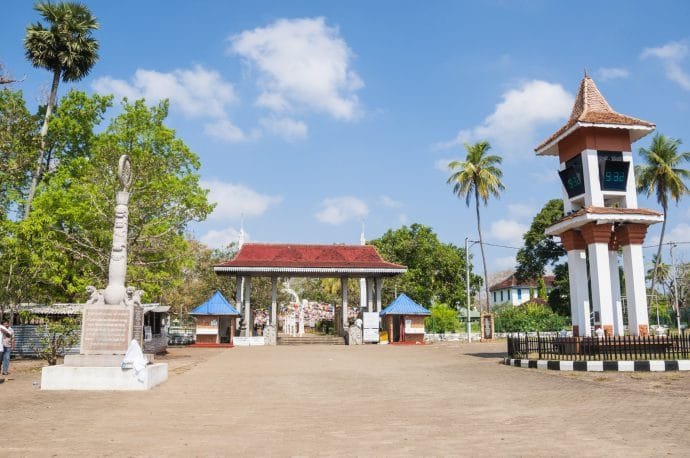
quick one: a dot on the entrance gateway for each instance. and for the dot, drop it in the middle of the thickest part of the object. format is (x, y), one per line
(286, 260)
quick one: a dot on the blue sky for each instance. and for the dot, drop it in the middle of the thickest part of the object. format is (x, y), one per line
(310, 117)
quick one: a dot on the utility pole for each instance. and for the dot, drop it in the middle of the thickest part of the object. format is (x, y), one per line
(675, 288)
(467, 287)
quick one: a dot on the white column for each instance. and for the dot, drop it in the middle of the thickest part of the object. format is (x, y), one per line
(248, 325)
(362, 292)
(579, 292)
(630, 200)
(633, 268)
(343, 288)
(600, 276)
(274, 302)
(370, 294)
(378, 282)
(590, 168)
(239, 294)
(616, 295)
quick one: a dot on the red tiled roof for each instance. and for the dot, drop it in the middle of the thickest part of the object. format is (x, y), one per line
(591, 107)
(512, 281)
(285, 255)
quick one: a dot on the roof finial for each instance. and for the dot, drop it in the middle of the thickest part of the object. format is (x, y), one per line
(586, 75)
(240, 240)
(362, 240)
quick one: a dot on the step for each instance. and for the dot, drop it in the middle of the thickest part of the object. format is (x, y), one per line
(311, 340)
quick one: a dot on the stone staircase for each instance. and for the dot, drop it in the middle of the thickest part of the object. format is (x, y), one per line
(311, 339)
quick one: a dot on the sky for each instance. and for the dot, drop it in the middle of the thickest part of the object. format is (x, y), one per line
(312, 119)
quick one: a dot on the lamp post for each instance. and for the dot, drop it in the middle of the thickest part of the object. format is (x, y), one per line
(675, 288)
(467, 286)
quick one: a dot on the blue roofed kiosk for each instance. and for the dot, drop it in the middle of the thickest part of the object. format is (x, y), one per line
(215, 321)
(404, 320)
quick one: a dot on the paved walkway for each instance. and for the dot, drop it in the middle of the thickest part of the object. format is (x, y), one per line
(443, 399)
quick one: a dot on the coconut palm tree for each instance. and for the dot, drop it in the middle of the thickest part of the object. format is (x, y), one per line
(478, 177)
(663, 176)
(66, 48)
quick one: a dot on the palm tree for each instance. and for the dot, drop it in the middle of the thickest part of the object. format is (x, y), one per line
(65, 48)
(663, 176)
(478, 176)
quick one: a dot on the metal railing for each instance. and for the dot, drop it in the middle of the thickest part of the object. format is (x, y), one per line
(600, 348)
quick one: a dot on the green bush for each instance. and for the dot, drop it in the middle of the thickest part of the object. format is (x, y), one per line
(443, 319)
(529, 317)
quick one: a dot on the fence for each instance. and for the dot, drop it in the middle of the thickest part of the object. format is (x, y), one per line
(600, 349)
(28, 337)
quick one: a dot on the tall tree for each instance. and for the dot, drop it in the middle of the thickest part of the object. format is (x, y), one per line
(478, 177)
(663, 176)
(435, 270)
(540, 249)
(65, 47)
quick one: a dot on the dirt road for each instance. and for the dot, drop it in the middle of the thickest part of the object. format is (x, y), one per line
(443, 399)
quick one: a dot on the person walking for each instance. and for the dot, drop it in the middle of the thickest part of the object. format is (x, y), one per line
(7, 345)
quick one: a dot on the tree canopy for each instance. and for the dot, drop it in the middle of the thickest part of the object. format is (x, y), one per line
(478, 177)
(436, 270)
(64, 243)
(540, 250)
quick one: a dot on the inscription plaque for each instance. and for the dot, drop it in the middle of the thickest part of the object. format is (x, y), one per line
(106, 329)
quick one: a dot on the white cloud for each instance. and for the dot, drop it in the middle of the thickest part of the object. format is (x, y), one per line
(287, 128)
(506, 230)
(612, 73)
(303, 63)
(236, 200)
(195, 93)
(442, 164)
(402, 218)
(671, 54)
(511, 127)
(224, 129)
(337, 210)
(522, 210)
(389, 202)
(221, 238)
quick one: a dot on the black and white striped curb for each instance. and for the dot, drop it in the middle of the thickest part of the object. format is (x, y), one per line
(651, 365)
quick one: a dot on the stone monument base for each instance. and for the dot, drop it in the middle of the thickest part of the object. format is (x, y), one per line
(102, 378)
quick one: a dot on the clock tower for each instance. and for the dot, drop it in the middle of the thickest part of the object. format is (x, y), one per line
(594, 149)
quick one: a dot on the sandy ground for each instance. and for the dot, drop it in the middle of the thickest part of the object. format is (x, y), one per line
(442, 399)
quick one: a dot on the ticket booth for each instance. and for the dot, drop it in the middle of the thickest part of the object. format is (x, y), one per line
(215, 321)
(403, 319)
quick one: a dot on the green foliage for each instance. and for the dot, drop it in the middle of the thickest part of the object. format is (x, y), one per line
(58, 337)
(664, 311)
(540, 250)
(63, 245)
(435, 270)
(662, 174)
(541, 288)
(442, 319)
(559, 297)
(64, 45)
(529, 317)
(478, 177)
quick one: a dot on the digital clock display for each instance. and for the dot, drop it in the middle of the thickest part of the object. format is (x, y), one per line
(572, 181)
(615, 176)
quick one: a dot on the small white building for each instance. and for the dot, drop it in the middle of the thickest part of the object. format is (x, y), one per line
(514, 293)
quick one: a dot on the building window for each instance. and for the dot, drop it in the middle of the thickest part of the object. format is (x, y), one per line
(494, 297)
(501, 295)
(519, 293)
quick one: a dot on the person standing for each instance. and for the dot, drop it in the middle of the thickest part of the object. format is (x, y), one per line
(7, 345)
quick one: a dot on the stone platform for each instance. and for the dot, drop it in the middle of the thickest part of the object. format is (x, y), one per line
(102, 378)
